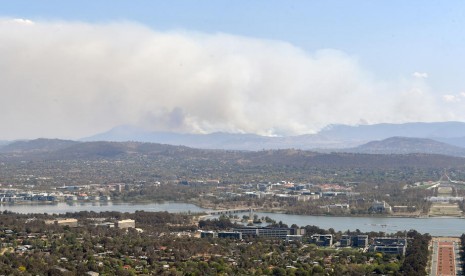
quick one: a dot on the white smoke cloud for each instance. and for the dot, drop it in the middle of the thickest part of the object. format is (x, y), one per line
(22, 21)
(420, 75)
(68, 79)
(451, 98)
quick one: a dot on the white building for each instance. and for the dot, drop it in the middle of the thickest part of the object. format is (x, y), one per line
(125, 223)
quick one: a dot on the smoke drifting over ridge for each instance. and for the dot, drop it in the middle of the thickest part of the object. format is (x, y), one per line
(65, 79)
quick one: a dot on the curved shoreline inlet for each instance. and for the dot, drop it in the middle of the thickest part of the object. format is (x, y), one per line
(434, 226)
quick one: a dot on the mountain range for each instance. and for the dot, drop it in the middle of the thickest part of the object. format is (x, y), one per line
(331, 137)
(407, 145)
(168, 156)
(446, 138)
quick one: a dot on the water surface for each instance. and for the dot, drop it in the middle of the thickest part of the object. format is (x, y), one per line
(434, 226)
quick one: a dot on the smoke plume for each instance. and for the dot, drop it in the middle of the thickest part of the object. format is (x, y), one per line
(71, 79)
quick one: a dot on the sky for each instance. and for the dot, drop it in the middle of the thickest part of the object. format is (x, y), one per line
(71, 69)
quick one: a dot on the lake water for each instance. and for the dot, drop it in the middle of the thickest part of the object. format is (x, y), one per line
(434, 226)
(65, 207)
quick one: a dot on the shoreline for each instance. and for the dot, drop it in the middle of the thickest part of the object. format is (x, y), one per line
(209, 207)
(284, 212)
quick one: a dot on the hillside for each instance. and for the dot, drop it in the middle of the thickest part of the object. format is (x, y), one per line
(218, 140)
(456, 141)
(54, 150)
(406, 145)
(4, 143)
(331, 137)
(383, 131)
(37, 145)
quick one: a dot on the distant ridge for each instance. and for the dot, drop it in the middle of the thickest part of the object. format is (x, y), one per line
(37, 145)
(331, 137)
(181, 157)
(407, 145)
(4, 143)
(383, 131)
(217, 140)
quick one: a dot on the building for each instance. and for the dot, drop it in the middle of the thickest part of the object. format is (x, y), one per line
(208, 234)
(322, 240)
(63, 222)
(105, 224)
(345, 241)
(336, 206)
(221, 235)
(292, 238)
(389, 245)
(269, 232)
(381, 207)
(230, 235)
(105, 198)
(125, 223)
(444, 199)
(308, 196)
(360, 241)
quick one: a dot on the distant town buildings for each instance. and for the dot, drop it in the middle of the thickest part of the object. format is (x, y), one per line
(125, 223)
(64, 193)
(208, 234)
(336, 206)
(288, 234)
(269, 232)
(354, 241)
(389, 245)
(322, 240)
(444, 199)
(381, 207)
(63, 222)
(221, 235)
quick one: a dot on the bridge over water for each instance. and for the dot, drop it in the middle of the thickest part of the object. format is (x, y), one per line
(232, 211)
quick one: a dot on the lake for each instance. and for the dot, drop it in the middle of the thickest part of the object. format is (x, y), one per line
(434, 226)
(98, 206)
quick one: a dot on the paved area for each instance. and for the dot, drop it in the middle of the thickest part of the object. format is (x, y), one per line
(445, 257)
(434, 258)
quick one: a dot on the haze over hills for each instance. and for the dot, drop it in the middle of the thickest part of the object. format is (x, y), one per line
(429, 138)
(408, 145)
(37, 145)
(331, 137)
(3, 143)
(54, 150)
(67, 149)
(383, 131)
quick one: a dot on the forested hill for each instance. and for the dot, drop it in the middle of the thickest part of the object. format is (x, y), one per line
(34, 146)
(55, 150)
(406, 145)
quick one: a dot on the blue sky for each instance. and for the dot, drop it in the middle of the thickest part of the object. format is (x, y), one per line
(387, 40)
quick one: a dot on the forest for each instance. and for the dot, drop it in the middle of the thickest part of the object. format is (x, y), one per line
(166, 244)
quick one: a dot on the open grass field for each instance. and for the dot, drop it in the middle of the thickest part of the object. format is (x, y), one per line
(445, 191)
(445, 210)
